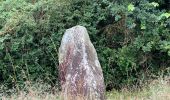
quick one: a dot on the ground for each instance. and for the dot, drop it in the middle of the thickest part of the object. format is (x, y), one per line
(156, 90)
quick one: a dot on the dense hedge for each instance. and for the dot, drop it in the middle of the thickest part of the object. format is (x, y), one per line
(132, 39)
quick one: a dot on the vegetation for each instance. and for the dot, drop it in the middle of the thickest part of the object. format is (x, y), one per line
(156, 90)
(131, 37)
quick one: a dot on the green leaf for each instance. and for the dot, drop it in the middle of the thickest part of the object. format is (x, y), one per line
(169, 53)
(167, 47)
(167, 15)
(15, 46)
(131, 7)
(2, 46)
(155, 4)
(148, 47)
(117, 17)
(2, 39)
(143, 26)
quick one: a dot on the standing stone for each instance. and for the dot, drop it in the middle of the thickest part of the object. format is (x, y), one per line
(80, 71)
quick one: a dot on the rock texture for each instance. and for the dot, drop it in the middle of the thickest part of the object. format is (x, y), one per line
(80, 71)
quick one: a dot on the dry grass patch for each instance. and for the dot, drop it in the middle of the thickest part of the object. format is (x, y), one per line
(156, 90)
(39, 91)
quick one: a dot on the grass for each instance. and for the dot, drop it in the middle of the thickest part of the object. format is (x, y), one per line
(156, 90)
(39, 91)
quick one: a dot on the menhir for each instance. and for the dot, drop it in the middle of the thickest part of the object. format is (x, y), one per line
(80, 72)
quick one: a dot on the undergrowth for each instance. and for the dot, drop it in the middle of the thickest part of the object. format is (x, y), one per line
(155, 90)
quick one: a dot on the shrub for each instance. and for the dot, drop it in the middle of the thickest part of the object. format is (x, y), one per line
(131, 38)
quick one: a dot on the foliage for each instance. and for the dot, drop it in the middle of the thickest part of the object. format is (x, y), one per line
(131, 38)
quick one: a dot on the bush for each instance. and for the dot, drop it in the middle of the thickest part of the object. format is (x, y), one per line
(131, 38)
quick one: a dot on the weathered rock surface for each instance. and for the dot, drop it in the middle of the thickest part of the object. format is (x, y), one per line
(80, 71)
